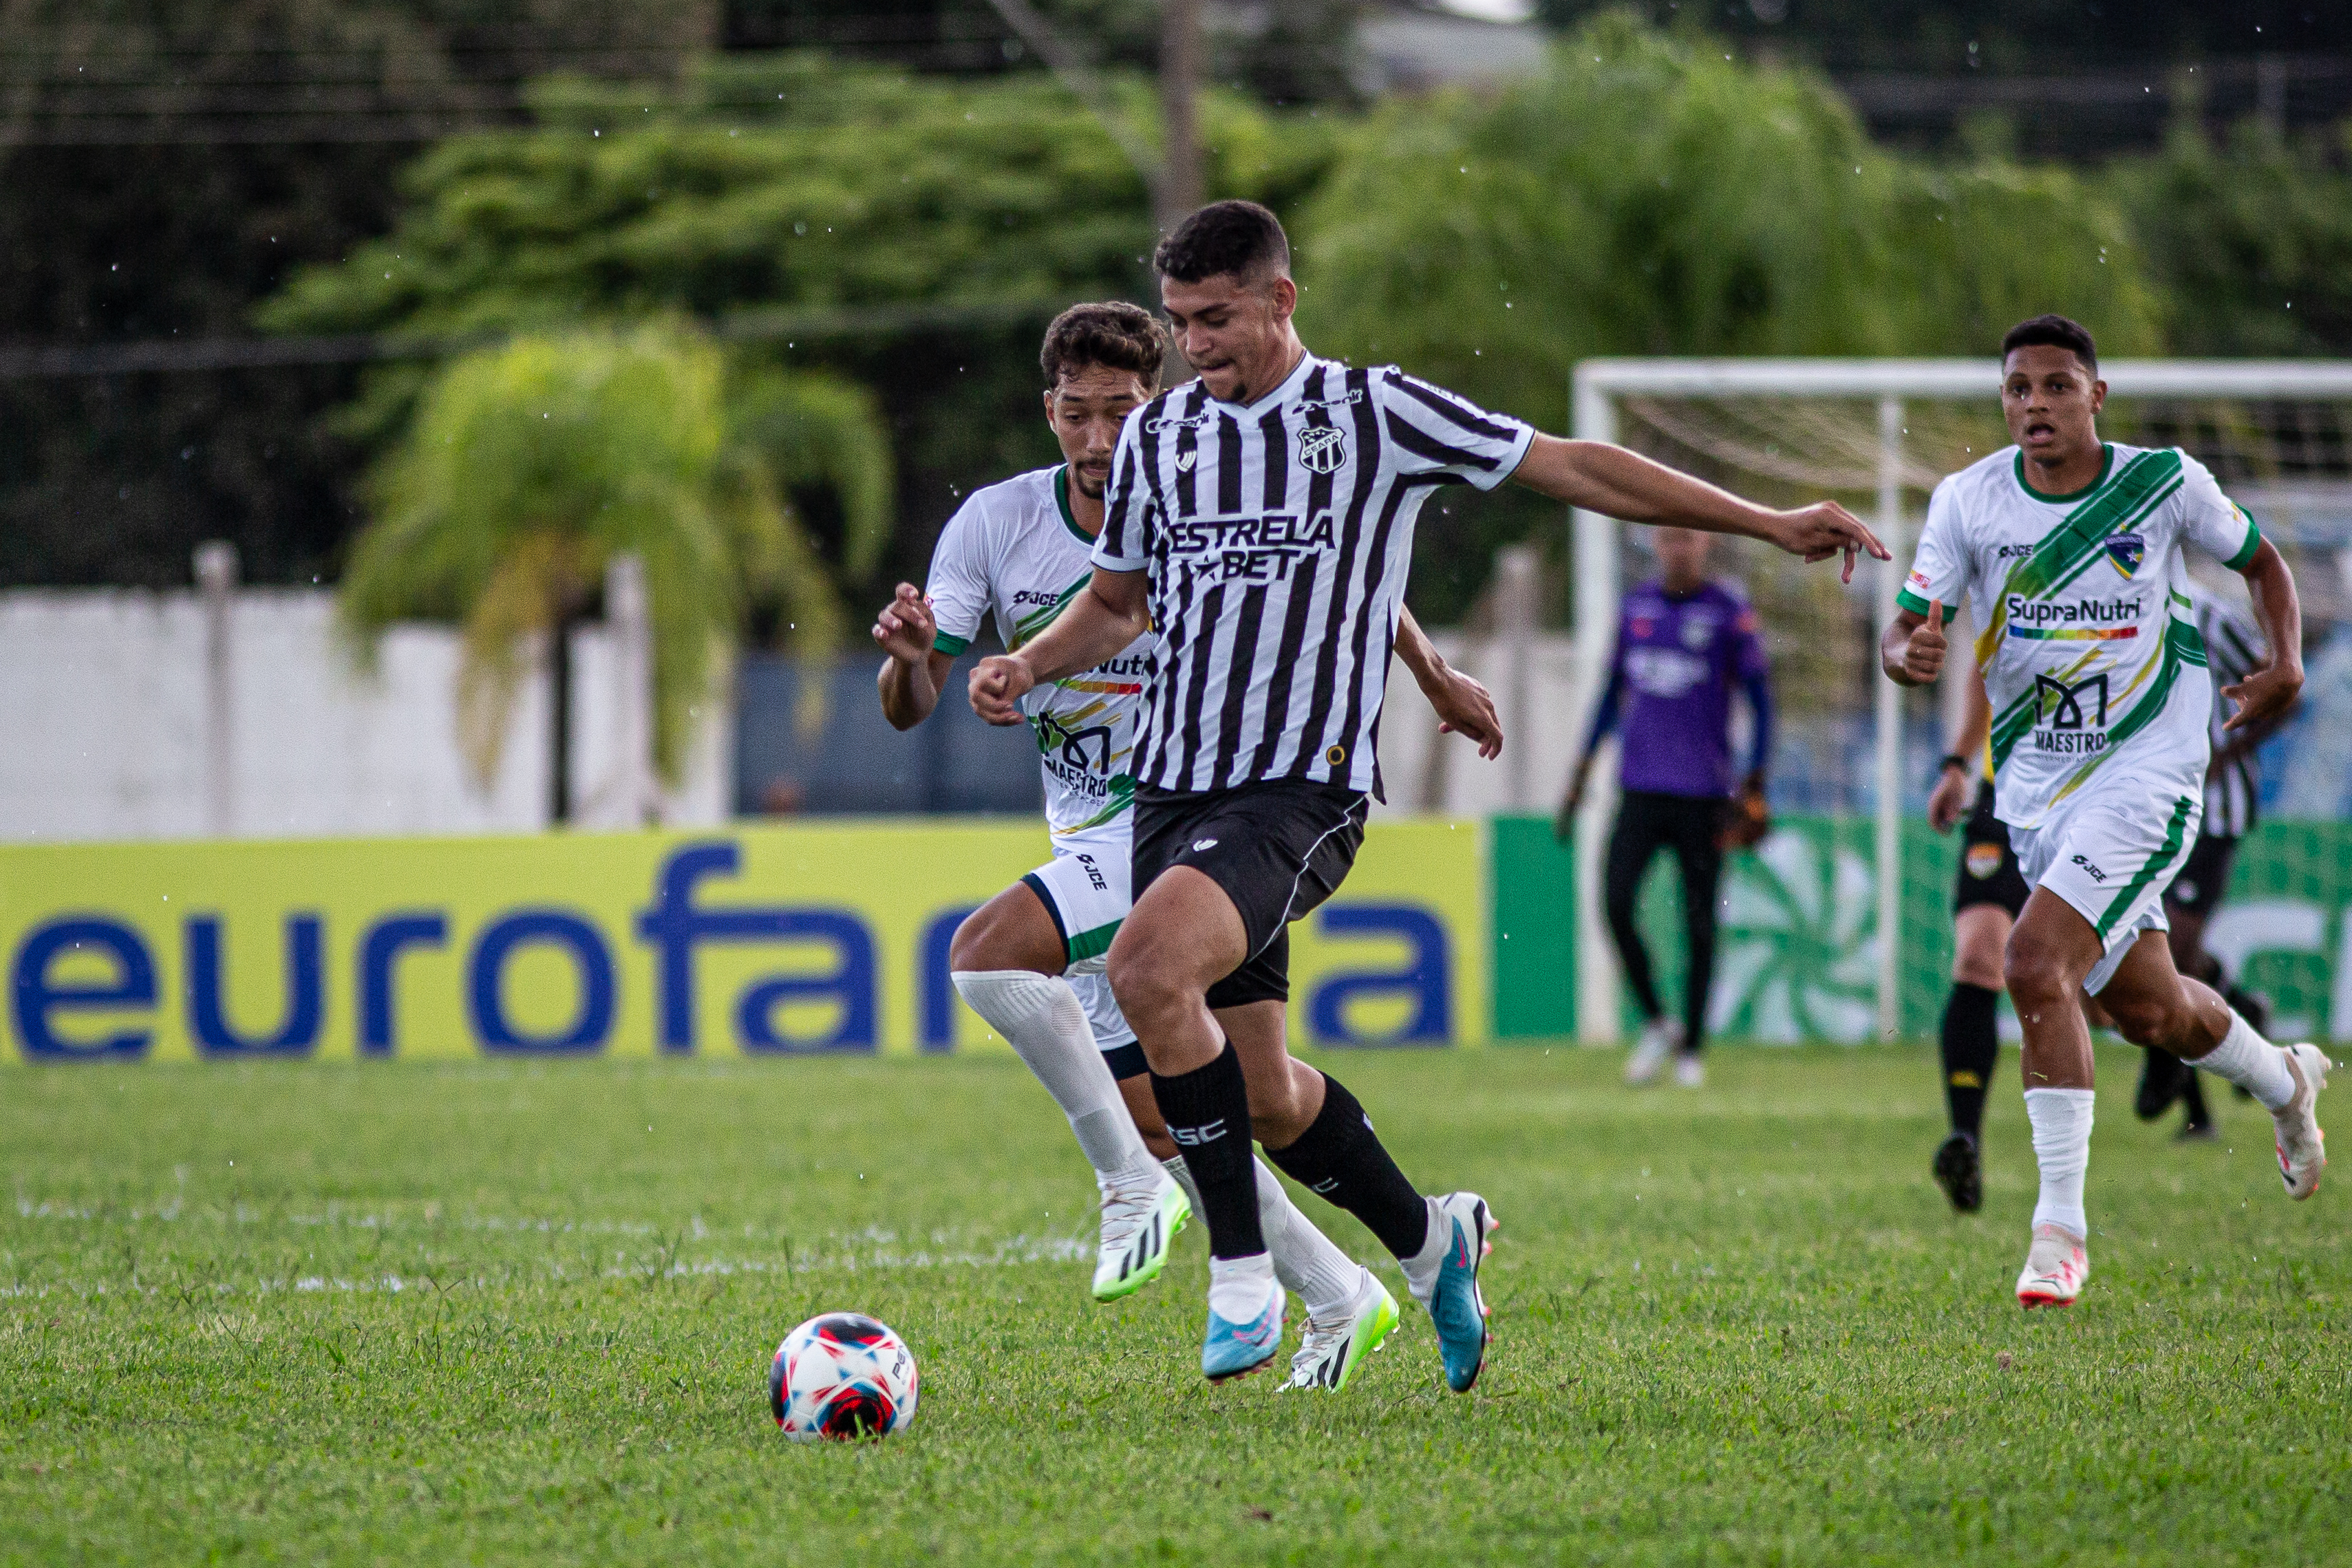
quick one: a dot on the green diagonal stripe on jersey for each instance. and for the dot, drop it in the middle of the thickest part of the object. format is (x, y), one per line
(2014, 722)
(1037, 619)
(2156, 864)
(2137, 488)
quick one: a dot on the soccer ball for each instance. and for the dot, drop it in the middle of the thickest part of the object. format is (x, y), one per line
(842, 1374)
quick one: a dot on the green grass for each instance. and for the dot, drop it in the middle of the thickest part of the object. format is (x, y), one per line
(1732, 1326)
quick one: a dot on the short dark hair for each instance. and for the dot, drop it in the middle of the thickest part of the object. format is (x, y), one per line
(2056, 332)
(1238, 238)
(1117, 335)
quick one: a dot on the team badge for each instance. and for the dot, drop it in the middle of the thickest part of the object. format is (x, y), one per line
(1984, 860)
(1322, 448)
(2127, 550)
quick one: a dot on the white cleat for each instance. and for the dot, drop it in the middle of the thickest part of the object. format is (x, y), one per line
(1331, 1349)
(2302, 1147)
(1690, 1071)
(2055, 1270)
(1137, 1225)
(1659, 1039)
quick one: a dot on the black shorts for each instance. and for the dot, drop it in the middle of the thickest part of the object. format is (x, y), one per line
(1277, 848)
(1987, 873)
(2204, 876)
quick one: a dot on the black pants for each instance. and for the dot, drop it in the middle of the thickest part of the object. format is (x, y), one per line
(1688, 825)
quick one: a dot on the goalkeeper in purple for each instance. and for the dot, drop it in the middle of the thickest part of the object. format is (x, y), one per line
(1684, 644)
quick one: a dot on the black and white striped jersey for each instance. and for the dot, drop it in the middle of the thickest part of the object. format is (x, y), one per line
(1278, 534)
(2236, 648)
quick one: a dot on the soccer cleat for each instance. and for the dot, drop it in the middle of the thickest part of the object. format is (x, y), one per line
(2302, 1147)
(1139, 1223)
(1690, 1071)
(1960, 1171)
(1454, 1303)
(2055, 1270)
(1659, 1038)
(1235, 1350)
(1331, 1349)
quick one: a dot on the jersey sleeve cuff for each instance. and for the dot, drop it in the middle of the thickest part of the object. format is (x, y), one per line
(1918, 606)
(2245, 556)
(1509, 465)
(1118, 564)
(947, 642)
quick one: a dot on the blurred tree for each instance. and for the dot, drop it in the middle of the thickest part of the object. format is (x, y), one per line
(949, 219)
(164, 164)
(1650, 197)
(2250, 237)
(529, 466)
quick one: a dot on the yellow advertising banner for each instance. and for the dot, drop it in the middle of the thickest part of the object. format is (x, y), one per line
(798, 937)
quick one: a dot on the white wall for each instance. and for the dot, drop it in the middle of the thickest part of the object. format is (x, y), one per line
(1425, 771)
(104, 726)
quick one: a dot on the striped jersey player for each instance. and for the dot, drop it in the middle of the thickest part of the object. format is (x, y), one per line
(2071, 547)
(1262, 518)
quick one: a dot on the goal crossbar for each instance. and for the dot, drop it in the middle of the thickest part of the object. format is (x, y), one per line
(1595, 387)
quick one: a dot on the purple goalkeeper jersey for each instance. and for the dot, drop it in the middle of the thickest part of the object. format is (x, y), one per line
(1670, 682)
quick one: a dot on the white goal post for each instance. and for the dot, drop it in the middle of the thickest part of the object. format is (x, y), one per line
(1598, 386)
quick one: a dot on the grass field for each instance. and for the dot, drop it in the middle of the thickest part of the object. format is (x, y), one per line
(520, 1312)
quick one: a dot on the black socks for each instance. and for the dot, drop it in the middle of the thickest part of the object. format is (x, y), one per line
(1207, 1113)
(1340, 1158)
(1971, 1043)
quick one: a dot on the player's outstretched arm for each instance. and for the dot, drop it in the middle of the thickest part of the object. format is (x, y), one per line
(1098, 624)
(1912, 650)
(910, 678)
(2265, 696)
(1601, 477)
(1464, 705)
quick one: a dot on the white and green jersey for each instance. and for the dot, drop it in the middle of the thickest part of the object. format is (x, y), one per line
(1015, 552)
(2086, 644)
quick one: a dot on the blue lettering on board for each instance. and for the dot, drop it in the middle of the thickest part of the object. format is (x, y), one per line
(38, 998)
(590, 960)
(851, 984)
(1426, 981)
(938, 992)
(380, 950)
(306, 1008)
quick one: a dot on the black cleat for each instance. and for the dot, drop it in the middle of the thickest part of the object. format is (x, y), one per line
(1960, 1173)
(2160, 1074)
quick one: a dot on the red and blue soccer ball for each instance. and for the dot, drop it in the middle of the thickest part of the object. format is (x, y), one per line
(842, 1374)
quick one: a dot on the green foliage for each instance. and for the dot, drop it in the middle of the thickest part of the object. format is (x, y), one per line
(511, 1313)
(528, 467)
(2250, 237)
(958, 215)
(1647, 196)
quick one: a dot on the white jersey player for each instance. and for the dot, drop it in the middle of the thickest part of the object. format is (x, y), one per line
(1030, 960)
(2070, 549)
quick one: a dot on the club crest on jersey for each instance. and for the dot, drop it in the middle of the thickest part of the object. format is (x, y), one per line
(2127, 550)
(1322, 448)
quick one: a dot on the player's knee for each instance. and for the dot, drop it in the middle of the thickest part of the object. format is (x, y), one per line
(1980, 969)
(2036, 977)
(1148, 980)
(987, 940)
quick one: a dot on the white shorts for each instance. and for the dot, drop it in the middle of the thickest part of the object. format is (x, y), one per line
(1084, 887)
(2111, 856)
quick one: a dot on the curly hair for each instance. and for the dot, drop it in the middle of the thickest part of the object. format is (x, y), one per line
(1115, 335)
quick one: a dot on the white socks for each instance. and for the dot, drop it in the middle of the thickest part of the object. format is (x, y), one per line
(1308, 1263)
(1420, 1268)
(1046, 1025)
(2062, 1146)
(1238, 1287)
(2247, 1059)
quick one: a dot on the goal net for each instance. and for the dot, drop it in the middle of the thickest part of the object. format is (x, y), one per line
(1803, 952)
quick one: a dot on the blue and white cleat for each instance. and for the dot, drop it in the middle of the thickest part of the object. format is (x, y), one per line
(1235, 1350)
(1454, 1303)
